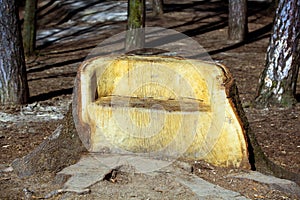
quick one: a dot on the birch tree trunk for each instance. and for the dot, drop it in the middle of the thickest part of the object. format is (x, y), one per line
(13, 79)
(277, 84)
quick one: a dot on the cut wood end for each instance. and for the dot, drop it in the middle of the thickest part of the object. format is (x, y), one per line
(170, 105)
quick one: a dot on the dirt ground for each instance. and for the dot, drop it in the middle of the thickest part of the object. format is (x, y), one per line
(51, 74)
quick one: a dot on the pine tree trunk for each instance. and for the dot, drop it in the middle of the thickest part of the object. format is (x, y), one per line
(157, 6)
(135, 37)
(13, 79)
(277, 85)
(29, 29)
(238, 22)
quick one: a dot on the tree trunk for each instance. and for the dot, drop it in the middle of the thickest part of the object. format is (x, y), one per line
(29, 29)
(238, 22)
(157, 7)
(135, 36)
(277, 84)
(13, 79)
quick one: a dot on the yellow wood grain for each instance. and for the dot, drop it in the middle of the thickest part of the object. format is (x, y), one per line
(162, 105)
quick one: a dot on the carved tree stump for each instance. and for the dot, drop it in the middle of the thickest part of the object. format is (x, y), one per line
(162, 107)
(153, 106)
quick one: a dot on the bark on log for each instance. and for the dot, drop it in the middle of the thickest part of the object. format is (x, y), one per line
(263, 164)
(63, 148)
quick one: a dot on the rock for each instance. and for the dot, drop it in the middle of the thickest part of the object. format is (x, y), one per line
(203, 189)
(283, 185)
(86, 172)
(206, 190)
(185, 166)
(94, 168)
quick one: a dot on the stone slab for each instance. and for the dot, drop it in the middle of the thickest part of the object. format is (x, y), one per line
(283, 185)
(93, 168)
(206, 190)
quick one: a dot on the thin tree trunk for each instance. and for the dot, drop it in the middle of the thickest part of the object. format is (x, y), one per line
(277, 84)
(135, 37)
(13, 79)
(238, 22)
(157, 7)
(29, 29)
